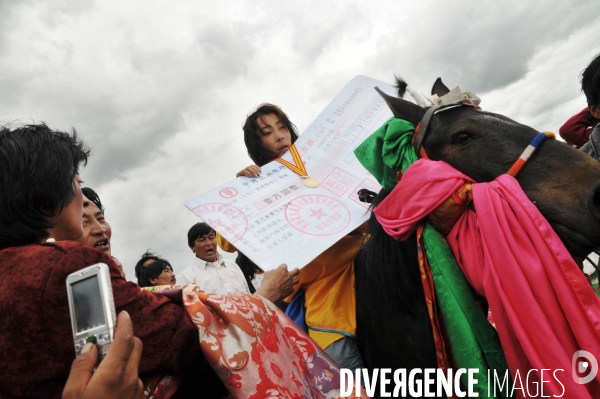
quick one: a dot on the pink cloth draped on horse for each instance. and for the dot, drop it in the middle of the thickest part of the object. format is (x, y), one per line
(543, 306)
(256, 350)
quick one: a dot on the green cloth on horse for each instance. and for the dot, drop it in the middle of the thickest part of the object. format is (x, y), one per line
(475, 343)
(387, 151)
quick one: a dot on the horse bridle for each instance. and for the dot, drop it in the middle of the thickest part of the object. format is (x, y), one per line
(454, 98)
(421, 130)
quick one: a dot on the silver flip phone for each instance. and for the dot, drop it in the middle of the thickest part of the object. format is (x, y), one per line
(92, 308)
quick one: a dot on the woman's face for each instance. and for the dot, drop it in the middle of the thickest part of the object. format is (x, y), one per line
(274, 135)
(167, 277)
(67, 223)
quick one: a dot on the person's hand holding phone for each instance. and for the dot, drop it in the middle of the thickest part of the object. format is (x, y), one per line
(116, 376)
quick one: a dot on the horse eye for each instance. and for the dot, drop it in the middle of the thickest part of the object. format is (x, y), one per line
(462, 138)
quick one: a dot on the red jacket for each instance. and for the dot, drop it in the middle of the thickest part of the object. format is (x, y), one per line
(36, 341)
(577, 129)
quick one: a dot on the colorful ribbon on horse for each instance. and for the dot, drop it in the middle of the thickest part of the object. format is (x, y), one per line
(535, 143)
(387, 153)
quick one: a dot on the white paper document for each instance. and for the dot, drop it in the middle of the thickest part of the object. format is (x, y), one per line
(274, 218)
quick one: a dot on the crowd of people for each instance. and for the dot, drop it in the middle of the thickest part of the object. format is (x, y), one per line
(50, 227)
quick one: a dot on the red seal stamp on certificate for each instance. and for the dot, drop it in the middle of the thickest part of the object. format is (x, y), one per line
(226, 219)
(228, 192)
(317, 215)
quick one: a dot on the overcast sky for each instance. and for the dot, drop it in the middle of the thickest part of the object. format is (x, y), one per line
(160, 89)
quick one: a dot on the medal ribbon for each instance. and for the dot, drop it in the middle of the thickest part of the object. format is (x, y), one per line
(297, 166)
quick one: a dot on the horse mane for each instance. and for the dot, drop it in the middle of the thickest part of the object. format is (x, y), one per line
(393, 326)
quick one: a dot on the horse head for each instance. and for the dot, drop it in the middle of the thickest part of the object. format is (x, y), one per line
(562, 182)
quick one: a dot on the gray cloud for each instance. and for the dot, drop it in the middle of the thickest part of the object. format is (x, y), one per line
(481, 45)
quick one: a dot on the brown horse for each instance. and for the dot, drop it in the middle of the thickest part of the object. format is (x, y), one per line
(393, 328)
(563, 182)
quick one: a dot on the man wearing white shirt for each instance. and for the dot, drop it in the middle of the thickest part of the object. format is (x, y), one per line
(217, 275)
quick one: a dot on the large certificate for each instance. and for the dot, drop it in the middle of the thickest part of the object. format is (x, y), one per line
(275, 218)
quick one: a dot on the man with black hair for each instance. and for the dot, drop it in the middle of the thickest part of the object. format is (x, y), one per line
(96, 230)
(579, 128)
(218, 275)
(147, 258)
(209, 270)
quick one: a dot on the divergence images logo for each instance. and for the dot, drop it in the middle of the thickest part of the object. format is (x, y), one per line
(581, 366)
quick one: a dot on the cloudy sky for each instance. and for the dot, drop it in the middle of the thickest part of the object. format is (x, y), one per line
(160, 89)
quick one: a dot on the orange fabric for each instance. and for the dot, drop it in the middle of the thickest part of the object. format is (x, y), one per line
(445, 216)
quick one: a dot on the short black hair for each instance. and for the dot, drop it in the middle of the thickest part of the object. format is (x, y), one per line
(147, 255)
(198, 230)
(590, 82)
(37, 167)
(252, 132)
(92, 196)
(152, 271)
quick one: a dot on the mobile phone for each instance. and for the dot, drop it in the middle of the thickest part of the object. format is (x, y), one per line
(92, 308)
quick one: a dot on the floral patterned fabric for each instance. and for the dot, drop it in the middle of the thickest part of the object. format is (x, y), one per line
(256, 350)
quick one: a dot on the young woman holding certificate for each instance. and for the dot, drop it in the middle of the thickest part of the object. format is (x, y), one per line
(326, 286)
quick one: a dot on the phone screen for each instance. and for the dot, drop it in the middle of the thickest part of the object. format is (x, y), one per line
(88, 304)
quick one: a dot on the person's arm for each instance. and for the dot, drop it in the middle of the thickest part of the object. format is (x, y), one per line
(576, 130)
(278, 284)
(169, 336)
(116, 376)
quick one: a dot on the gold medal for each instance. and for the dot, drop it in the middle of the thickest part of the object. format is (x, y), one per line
(311, 182)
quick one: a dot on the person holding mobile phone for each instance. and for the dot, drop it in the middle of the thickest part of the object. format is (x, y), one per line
(41, 207)
(116, 376)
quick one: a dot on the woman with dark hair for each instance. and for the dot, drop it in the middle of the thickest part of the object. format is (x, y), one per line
(268, 134)
(324, 300)
(41, 208)
(158, 272)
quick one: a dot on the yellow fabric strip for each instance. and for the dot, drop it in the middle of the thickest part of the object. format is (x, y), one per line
(299, 167)
(224, 244)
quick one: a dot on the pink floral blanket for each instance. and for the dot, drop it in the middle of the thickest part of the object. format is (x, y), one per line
(257, 351)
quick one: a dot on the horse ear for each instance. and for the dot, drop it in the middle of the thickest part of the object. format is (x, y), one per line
(403, 109)
(439, 88)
